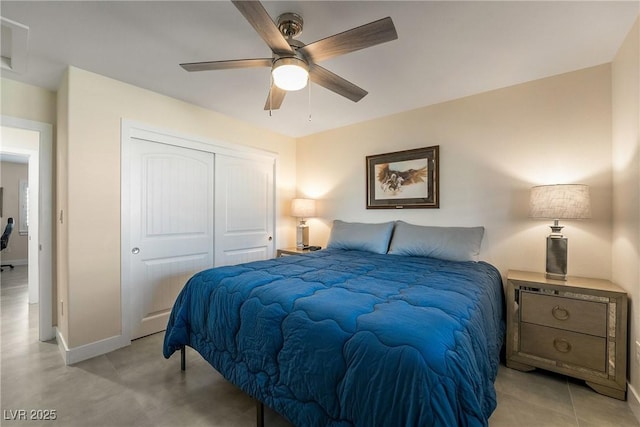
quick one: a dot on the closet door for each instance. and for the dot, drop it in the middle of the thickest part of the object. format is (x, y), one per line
(244, 208)
(171, 227)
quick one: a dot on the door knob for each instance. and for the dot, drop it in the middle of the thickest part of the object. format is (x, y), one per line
(270, 238)
(135, 251)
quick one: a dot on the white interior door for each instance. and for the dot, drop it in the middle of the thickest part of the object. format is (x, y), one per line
(171, 231)
(244, 210)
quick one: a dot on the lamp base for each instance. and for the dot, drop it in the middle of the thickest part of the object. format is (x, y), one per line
(302, 236)
(557, 257)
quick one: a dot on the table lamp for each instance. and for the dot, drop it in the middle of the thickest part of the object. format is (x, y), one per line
(561, 201)
(303, 208)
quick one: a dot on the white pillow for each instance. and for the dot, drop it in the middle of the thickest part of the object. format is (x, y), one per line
(449, 243)
(360, 236)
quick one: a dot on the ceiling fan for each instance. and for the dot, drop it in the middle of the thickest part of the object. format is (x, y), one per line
(293, 63)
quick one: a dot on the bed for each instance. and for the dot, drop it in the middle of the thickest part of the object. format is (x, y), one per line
(354, 334)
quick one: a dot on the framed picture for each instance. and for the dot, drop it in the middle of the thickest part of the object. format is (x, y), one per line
(404, 179)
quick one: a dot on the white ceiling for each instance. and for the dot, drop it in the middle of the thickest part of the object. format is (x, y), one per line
(445, 50)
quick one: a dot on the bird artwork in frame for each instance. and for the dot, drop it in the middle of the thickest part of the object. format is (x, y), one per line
(403, 179)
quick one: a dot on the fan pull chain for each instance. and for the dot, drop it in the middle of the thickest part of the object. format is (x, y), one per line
(270, 92)
(309, 84)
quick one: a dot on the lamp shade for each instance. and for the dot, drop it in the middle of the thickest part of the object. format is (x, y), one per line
(561, 201)
(303, 208)
(290, 73)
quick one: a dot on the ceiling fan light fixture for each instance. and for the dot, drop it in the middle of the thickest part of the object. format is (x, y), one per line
(290, 73)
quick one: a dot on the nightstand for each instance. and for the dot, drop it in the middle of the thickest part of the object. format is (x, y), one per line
(291, 251)
(576, 327)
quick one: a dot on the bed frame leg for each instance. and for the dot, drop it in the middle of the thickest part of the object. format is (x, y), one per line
(259, 414)
(183, 358)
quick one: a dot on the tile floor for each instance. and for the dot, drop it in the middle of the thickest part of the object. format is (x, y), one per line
(136, 386)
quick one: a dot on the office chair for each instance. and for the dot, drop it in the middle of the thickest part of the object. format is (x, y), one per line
(4, 240)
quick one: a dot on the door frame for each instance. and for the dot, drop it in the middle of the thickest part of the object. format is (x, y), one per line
(130, 130)
(43, 246)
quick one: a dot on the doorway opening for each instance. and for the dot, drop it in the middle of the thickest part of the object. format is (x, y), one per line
(32, 142)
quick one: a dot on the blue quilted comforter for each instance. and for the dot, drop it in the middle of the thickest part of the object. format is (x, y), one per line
(341, 338)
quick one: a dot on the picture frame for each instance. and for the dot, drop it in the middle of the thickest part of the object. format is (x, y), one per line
(404, 179)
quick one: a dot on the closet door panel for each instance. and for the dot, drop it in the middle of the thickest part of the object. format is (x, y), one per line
(244, 208)
(171, 232)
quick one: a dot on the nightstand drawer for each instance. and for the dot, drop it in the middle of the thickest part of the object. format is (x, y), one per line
(569, 347)
(576, 315)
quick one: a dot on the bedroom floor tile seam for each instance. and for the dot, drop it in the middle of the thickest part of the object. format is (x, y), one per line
(137, 386)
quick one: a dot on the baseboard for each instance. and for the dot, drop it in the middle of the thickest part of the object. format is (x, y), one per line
(62, 345)
(633, 401)
(88, 351)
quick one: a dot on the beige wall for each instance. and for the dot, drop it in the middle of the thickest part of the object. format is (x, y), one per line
(626, 186)
(11, 174)
(493, 147)
(96, 106)
(61, 303)
(27, 102)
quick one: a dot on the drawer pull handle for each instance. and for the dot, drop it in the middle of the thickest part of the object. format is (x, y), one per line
(562, 345)
(560, 313)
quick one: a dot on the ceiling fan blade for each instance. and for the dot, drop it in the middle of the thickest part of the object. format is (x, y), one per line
(226, 65)
(335, 83)
(367, 35)
(254, 12)
(275, 98)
